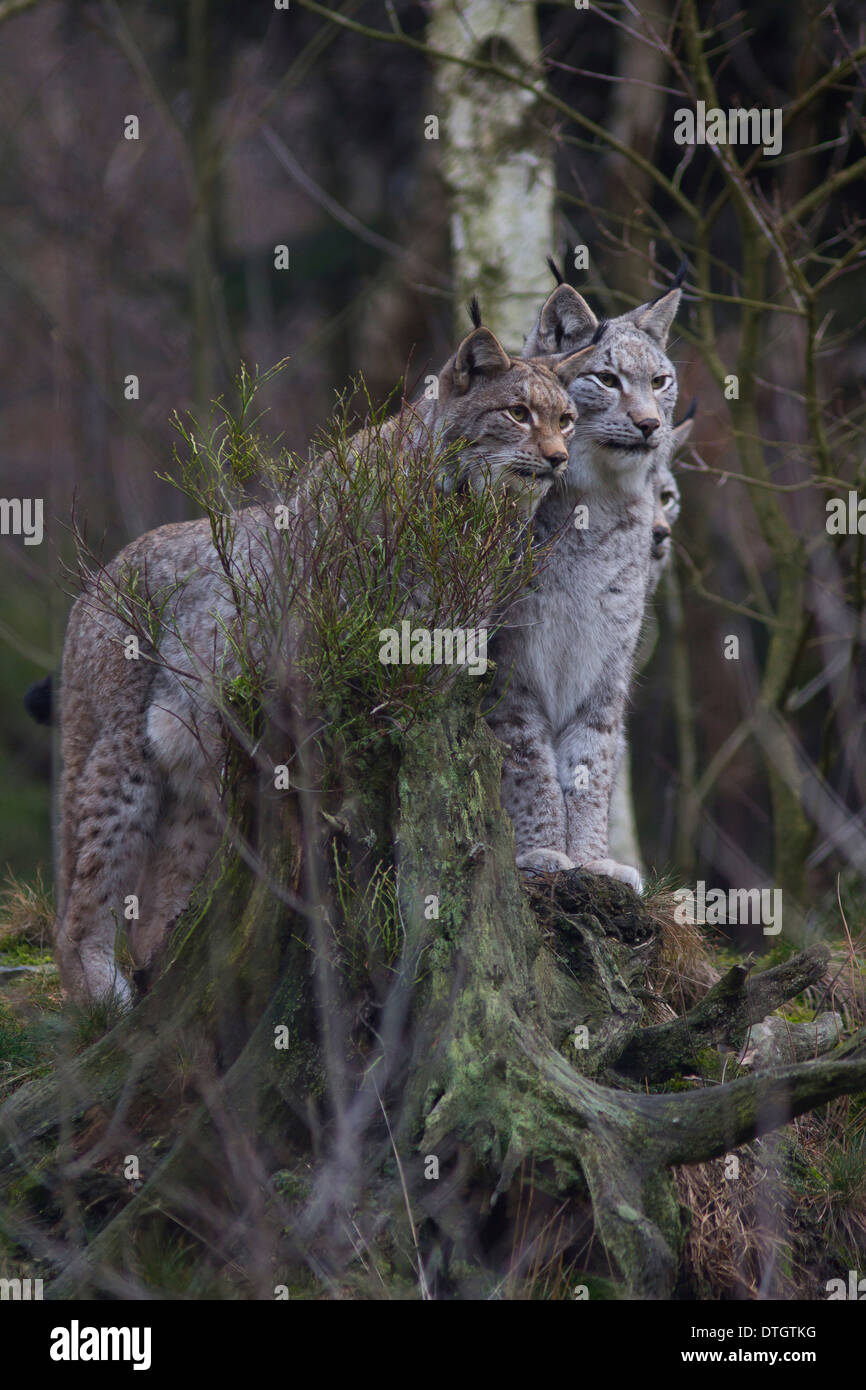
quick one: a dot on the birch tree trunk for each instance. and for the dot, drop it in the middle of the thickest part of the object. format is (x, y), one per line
(622, 833)
(497, 164)
(499, 173)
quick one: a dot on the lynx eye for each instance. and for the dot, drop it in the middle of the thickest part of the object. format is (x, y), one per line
(607, 379)
(566, 422)
(659, 381)
(520, 413)
(667, 498)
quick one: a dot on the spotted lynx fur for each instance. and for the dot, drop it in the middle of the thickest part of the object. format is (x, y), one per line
(142, 741)
(666, 512)
(623, 840)
(564, 661)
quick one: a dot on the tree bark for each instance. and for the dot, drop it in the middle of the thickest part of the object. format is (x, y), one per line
(497, 164)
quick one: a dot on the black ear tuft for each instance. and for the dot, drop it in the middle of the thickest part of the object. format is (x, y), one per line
(555, 271)
(475, 311)
(690, 413)
(680, 275)
(675, 284)
(599, 333)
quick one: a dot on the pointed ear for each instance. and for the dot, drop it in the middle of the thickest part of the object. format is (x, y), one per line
(569, 367)
(680, 433)
(481, 354)
(656, 317)
(564, 321)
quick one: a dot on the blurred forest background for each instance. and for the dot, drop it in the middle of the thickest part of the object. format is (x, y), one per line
(260, 128)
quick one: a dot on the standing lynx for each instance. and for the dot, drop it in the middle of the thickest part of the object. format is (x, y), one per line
(564, 662)
(143, 743)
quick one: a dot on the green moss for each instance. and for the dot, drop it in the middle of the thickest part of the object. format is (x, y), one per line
(17, 952)
(711, 1064)
(291, 1185)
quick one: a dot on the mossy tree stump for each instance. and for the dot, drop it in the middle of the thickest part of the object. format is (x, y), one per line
(309, 1095)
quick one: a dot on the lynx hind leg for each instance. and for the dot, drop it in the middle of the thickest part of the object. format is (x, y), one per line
(531, 794)
(187, 838)
(109, 820)
(186, 746)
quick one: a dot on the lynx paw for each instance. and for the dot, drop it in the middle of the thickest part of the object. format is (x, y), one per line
(614, 870)
(543, 861)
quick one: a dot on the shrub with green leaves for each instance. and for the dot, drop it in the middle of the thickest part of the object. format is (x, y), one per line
(354, 540)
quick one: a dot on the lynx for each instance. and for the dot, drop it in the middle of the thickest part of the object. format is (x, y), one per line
(622, 830)
(564, 662)
(142, 741)
(667, 509)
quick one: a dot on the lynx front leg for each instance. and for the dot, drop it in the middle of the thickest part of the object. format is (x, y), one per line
(587, 757)
(531, 794)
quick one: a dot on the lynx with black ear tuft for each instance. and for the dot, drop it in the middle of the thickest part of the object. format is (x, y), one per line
(143, 741)
(562, 674)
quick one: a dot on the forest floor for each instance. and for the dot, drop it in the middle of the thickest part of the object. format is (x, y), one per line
(788, 1209)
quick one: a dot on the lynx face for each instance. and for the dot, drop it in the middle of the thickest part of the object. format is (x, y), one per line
(667, 505)
(666, 512)
(626, 387)
(626, 396)
(513, 419)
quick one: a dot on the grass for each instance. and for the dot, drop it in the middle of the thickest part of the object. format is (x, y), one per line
(29, 1004)
(26, 915)
(374, 931)
(29, 1028)
(25, 747)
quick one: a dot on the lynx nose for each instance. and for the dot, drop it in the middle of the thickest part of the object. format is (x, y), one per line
(557, 458)
(661, 533)
(648, 427)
